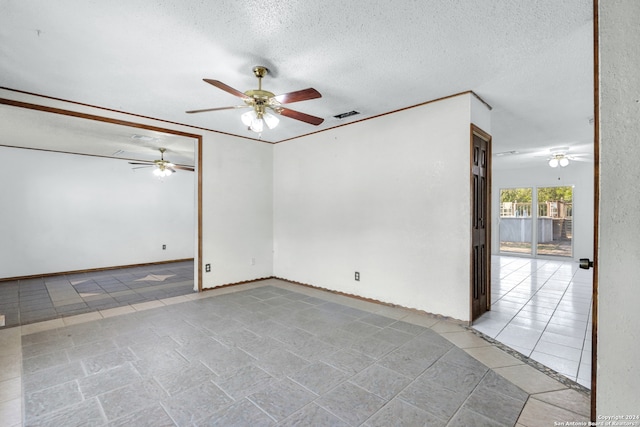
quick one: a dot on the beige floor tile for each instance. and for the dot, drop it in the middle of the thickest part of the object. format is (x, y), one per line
(212, 292)
(81, 318)
(493, 357)
(537, 413)
(147, 305)
(529, 379)
(10, 341)
(465, 339)
(11, 389)
(117, 311)
(392, 312)
(568, 399)
(175, 300)
(10, 366)
(42, 326)
(11, 412)
(447, 326)
(425, 320)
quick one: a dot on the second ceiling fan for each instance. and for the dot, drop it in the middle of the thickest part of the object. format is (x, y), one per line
(163, 167)
(264, 104)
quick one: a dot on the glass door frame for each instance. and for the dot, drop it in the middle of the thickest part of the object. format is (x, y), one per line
(534, 223)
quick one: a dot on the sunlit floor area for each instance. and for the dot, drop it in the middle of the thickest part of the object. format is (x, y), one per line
(542, 309)
(559, 247)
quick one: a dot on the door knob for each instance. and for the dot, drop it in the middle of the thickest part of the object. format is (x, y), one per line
(586, 263)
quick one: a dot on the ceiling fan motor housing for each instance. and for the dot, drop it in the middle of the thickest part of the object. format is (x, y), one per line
(260, 71)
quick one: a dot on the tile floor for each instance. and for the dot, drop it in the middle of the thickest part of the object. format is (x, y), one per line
(542, 309)
(49, 297)
(268, 353)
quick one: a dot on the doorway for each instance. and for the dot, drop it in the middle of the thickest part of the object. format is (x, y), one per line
(76, 134)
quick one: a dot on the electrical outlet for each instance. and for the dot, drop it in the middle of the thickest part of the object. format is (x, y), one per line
(357, 276)
(253, 261)
(207, 268)
(164, 247)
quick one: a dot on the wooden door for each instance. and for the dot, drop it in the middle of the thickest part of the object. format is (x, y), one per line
(480, 222)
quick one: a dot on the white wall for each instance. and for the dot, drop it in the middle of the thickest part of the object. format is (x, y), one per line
(618, 374)
(65, 212)
(579, 175)
(237, 209)
(388, 198)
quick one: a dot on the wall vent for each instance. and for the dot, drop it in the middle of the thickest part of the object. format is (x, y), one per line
(144, 138)
(506, 153)
(345, 115)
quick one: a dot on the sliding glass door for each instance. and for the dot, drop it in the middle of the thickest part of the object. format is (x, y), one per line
(516, 220)
(555, 221)
(544, 230)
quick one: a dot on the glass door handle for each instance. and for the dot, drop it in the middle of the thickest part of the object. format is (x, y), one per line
(586, 263)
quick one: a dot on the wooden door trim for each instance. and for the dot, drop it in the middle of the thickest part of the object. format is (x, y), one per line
(477, 131)
(596, 210)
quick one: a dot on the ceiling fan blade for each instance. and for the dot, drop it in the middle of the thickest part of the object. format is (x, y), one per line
(142, 167)
(226, 88)
(142, 163)
(217, 109)
(303, 117)
(184, 168)
(297, 96)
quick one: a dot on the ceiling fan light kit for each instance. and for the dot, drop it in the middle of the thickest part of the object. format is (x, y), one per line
(162, 167)
(265, 105)
(255, 120)
(161, 172)
(559, 160)
(559, 157)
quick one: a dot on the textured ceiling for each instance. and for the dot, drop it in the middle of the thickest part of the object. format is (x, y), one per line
(532, 61)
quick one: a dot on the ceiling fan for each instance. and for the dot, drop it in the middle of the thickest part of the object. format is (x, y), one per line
(162, 167)
(560, 157)
(264, 103)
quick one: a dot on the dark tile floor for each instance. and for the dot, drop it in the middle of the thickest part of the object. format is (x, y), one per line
(258, 357)
(49, 297)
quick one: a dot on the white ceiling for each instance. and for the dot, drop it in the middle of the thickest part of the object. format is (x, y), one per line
(532, 61)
